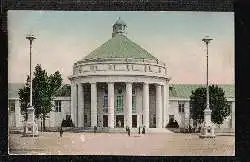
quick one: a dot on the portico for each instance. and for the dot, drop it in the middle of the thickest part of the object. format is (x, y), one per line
(126, 103)
(119, 84)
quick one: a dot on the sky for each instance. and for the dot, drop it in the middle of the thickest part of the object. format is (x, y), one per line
(64, 37)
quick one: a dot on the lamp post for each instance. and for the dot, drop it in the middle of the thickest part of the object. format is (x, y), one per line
(208, 130)
(207, 41)
(31, 38)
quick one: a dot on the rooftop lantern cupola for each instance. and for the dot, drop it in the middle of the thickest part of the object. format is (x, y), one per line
(119, 27)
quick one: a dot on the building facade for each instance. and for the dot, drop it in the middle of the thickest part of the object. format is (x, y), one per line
(179, 107)
(120, 84)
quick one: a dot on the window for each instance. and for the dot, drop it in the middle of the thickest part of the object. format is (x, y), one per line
(119, 103)
(133, 101)
(58, 106)
(85, 119)
(12, 105)
(181, 107)
(105, 101)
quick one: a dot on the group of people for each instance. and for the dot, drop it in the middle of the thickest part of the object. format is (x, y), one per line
(139, 130)
(119, 124)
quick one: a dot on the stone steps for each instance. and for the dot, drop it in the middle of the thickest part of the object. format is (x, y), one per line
(119, 130)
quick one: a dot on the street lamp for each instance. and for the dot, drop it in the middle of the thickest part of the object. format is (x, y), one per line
(207, 40)
(208, 129)
(31, 37)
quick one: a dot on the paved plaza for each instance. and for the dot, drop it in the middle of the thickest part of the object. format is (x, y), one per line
(152, 144)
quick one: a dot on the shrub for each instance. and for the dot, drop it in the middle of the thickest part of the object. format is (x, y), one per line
(67, 123)
(172, 124)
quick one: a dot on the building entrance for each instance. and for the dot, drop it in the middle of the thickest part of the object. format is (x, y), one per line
(105, 120)
(134, 121)
(119, 121)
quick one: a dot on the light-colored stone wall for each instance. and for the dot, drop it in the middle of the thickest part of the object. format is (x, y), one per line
(183, 118)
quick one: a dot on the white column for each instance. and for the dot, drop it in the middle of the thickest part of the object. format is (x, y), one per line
(138, 120)
(139, 106)
(77, 106)
(80, 106)
(158, 107)
(93, 105)
(167, 106)
(186, 114)
(146, 105)
(73, 103)
(129, 104)
(111, 105)
(163, 92)
(18, 115)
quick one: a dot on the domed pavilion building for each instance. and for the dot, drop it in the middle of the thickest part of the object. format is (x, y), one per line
(119, 84)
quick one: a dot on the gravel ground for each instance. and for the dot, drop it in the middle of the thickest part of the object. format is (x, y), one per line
(154, 144)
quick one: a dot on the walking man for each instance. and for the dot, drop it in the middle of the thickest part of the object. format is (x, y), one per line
(61, 132)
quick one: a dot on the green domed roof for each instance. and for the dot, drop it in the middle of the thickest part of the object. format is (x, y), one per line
(119, 46)
(120, 22)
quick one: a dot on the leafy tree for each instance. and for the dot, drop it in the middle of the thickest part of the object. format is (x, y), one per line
(24, 96)
(44, 90)
(217, 103)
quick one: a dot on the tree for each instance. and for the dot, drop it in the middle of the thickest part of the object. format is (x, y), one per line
(44, 90)
(24, 96)
(217, 103)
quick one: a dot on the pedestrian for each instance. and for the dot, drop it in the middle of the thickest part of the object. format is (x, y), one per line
(119, 124)
(139, 130)
(61, 132)
(128, 131)
(143, 130)
(95, 129)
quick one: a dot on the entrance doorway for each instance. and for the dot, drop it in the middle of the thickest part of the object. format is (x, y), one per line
(105, 120)
(134, 121)
(85, 121)
(119, 121)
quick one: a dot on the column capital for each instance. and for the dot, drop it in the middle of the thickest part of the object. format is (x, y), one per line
(129, 83)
